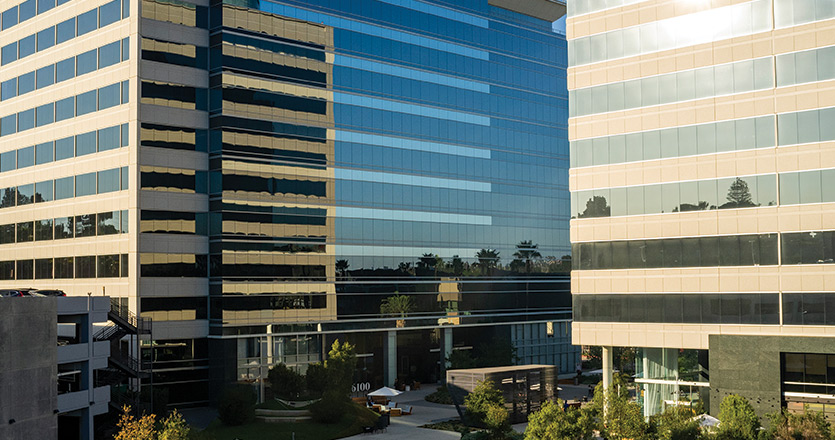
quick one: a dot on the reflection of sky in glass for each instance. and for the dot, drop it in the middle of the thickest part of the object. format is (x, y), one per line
(412, 216)
(344, 23)
(414, 109)
(407, 179)
(439, 11)
(410, 144)
(403, 72)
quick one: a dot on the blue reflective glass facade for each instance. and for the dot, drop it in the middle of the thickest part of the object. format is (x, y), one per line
(364, 150)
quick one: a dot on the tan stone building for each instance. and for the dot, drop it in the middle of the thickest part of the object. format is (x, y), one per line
(703, 194)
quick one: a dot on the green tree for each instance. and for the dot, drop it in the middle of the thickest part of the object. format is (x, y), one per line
(174, 427)
(340, 365)
(497, 421)
(132, 428)
(316, 378)
(479, 401)
(676, 423)
(397, 305)
(286, 382)
(622, 418)
(737, 419)
(552, 422)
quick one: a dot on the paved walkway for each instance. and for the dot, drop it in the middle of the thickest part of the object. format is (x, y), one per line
(423, 412)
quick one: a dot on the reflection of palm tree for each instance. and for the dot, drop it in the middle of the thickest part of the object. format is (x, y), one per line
(397, 305)
(342, 267)
(487, 258)
(430, 261)
(526, 252)
(405, 267)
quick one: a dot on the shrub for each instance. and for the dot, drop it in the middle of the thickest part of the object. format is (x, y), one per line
(676, 423)
(497, 421)
(340, 365)
(551, 422)
(236, 405)
(286, 382)
(441, 395)
(479, 401)
(330, 409)
(737, 419)
(316, 378)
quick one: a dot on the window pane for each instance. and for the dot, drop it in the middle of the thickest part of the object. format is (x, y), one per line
(108, 181)
(85, 184)
(64, 267)
(85, 103)
(45, 76)
(26, 46)
(8, 160)
(25, 232)
(109, 96)
(8, 89)
(110, 54)
(64, 227)
(85, 267)
(108, 266)
(85, 225)
(43, 269)
(25, 194)
(25, 269)
(43, 153)
(45, 114)
(85, 144)
(108, 223)
(789, 189)
(7, 233)
(64, 188)
(43, 229)
(46, 38)
(43, 191)
(86, 62)
(88, 22)
(65, 109)
(110, 13)
(65, 31)
(26, 83)
(25, 157)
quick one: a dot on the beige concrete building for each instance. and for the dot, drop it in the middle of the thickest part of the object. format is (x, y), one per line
(703, 195)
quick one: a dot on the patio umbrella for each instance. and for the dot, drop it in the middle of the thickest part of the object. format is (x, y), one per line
(707, 420)
(385, 391)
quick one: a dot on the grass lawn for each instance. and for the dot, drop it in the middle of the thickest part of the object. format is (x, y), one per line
(351, 423)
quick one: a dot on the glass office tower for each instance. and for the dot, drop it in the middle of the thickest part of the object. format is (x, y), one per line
(702, 185)
(261, 178)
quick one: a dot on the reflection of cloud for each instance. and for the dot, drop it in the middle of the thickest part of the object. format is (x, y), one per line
(559, 25)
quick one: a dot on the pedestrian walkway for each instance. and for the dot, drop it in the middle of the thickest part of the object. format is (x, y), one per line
(423, 412)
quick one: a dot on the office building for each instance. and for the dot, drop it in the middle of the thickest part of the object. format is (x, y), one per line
(258, 177)
(702, 186)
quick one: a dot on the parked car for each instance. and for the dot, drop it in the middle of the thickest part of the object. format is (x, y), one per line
(11, 293)
(48, 292)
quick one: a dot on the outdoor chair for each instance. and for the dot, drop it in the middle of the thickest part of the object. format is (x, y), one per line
(396, 412)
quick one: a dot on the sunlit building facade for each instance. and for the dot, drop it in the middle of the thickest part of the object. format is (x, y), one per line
(260, 178)
(702, 187)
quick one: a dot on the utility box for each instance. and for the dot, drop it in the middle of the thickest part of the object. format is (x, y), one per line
(525, 387)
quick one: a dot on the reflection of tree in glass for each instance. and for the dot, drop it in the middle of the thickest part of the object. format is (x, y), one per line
(429, 261)
(739, 196)
(525, 253)
(702, 206)
(597, 207)
(487, 258)
(8, 198)
(342, 267)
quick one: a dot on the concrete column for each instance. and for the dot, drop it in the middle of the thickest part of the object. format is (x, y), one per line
(607, 368)
(390, 361)
(446, 351)
(607, 375)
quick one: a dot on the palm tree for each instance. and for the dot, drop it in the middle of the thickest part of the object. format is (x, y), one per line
(487, 258)
(526, 252)
(397, 305)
